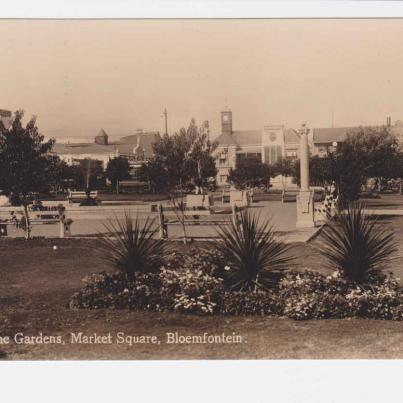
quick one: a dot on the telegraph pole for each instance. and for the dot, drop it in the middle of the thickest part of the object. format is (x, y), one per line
(166, 120)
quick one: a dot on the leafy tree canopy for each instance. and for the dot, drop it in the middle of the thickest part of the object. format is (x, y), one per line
(181, 161)
(117, 170)
(250, 172)
(26, 165)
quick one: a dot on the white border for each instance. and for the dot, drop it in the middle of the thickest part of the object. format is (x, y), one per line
(198, 9)
(206, 382)
(196, 381)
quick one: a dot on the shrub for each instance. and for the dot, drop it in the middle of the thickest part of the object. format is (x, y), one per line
(184, 284)
(191, 291)
(355, 244)
(299, 295)
(248, 303)
(131, 247)
(210, 261)
(253, 255)
(88, 201)
(116, 290)
(310, 295)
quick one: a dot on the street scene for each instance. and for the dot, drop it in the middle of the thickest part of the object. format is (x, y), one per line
(184, 189)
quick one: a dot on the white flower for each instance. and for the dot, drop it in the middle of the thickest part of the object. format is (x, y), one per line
(226, 268)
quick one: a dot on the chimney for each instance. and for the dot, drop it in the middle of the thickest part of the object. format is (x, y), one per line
(388, 121)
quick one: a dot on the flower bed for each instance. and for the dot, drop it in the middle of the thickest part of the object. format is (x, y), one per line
(194, 284)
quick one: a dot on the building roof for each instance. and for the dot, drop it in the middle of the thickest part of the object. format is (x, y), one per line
(6, 118)
(143, 140)
(291, 136)
(126, 145)
(84, 148)
(102, 133)
(240, 137)
(5, 114)
(254, 137)
(225, 140)
(246, 137)
(332, 134)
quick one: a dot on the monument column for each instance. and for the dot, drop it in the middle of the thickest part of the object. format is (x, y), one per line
(305, 212)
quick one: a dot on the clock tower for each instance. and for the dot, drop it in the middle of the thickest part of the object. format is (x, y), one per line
(226, 122)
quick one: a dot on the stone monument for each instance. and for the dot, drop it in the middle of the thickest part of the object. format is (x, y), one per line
(305, 210)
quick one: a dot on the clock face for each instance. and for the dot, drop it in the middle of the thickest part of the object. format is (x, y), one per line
(225, 118)
(272, 136)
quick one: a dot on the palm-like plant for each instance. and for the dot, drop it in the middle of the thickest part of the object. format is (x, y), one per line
(355, 244)
(253, 255)
(130, 247)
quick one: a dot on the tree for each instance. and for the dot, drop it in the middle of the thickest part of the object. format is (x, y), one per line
(250, 172)
(376, 148)
(283, 167)
(26, 166)
(154, 174)
(181, 163)
(62, 174)
(92, 174)
(321, 170)
(117, 170)
(365, 153)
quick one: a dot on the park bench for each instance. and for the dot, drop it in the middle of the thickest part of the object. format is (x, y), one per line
(16, 218)
(225, 196)
(78, 196)
(289, 195)
(198, 202)
(239, 198)
(132, 185)
(170, 216)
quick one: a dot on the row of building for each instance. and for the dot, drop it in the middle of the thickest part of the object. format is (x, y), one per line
(275, 141)
(268, 144)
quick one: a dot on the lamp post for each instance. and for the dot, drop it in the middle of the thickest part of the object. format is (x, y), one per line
(305, 210)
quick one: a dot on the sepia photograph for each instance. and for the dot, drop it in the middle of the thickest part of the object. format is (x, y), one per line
(201, 189)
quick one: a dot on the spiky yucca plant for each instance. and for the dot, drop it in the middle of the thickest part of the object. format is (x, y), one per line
(355, 244)
(130, 247)
(253, 256)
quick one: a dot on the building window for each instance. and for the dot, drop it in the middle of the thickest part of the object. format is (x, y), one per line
(248, 156)
(223, 178)
(291, 154)
(272, 154)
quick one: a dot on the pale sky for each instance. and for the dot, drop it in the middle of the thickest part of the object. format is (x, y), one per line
(79, 76)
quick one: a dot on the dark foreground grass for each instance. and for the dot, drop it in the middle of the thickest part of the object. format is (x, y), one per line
(36, 283)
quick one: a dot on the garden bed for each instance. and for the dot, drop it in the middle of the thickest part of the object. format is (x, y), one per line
(36, 284)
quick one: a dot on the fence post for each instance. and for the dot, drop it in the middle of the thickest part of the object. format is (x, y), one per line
(234, 215)
(161, 221)
(61, 220)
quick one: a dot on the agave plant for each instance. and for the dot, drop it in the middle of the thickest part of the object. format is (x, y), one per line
(130, 247)
(355, 243)
(253, 255)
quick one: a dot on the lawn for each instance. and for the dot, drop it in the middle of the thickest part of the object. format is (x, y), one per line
(36, 284)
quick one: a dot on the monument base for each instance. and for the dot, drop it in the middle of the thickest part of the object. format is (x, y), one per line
(305, 212)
